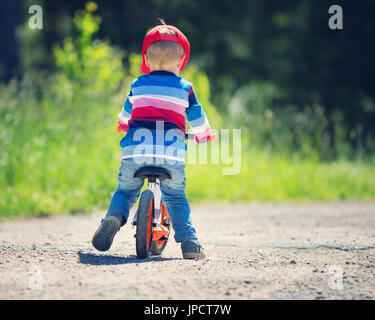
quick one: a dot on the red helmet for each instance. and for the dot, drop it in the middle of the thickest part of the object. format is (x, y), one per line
(154, 35)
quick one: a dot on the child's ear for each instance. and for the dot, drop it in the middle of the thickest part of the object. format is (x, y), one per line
(181, 61)
(146, 61)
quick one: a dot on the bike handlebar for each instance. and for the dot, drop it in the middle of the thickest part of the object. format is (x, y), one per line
(191, 136)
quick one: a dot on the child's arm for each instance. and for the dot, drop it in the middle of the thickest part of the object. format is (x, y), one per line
(197, 119)
(125, 115)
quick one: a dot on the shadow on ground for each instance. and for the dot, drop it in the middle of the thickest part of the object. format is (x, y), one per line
(99, 260)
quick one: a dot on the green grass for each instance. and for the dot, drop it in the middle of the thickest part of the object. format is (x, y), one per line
(59, 153)
(66, 182)
(50, 173)
(267, 176)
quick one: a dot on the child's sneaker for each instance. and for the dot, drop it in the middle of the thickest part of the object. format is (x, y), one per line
(192, 250)
(103, 237)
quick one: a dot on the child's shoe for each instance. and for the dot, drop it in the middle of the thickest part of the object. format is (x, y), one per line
(103, 237)
(192, 250)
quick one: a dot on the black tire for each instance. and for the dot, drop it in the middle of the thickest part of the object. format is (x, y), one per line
(144, 224)
(154, 249)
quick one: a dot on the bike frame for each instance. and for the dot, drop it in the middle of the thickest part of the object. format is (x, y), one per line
(154, 187)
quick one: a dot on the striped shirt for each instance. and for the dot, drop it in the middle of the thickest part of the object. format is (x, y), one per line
(154, 117)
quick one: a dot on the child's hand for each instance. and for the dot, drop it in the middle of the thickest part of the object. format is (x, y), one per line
(213, 138)
(119, 129)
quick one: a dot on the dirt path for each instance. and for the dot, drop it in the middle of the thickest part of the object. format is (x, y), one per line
(255, 251)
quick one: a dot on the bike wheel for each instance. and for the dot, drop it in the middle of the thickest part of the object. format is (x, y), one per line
(144, 224)
(158, 246)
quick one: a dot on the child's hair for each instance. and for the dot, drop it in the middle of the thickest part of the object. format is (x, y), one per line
(162, 53)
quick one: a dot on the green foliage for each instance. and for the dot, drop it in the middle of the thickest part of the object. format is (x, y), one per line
(59, 149)
(90, 64)
(285, 44)
(286, 130)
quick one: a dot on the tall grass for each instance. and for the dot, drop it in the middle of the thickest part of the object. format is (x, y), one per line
(55, 156)
(268, 176)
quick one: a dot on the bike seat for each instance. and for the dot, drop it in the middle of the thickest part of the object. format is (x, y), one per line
(152, 172)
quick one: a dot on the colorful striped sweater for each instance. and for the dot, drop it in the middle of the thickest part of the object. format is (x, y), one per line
(154, 117)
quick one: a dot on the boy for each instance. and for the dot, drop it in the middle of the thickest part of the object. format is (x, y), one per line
(155, 111)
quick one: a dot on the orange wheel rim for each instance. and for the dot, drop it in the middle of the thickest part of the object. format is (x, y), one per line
(160, 244)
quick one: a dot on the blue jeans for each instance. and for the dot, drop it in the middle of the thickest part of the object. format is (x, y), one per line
(173, 195)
